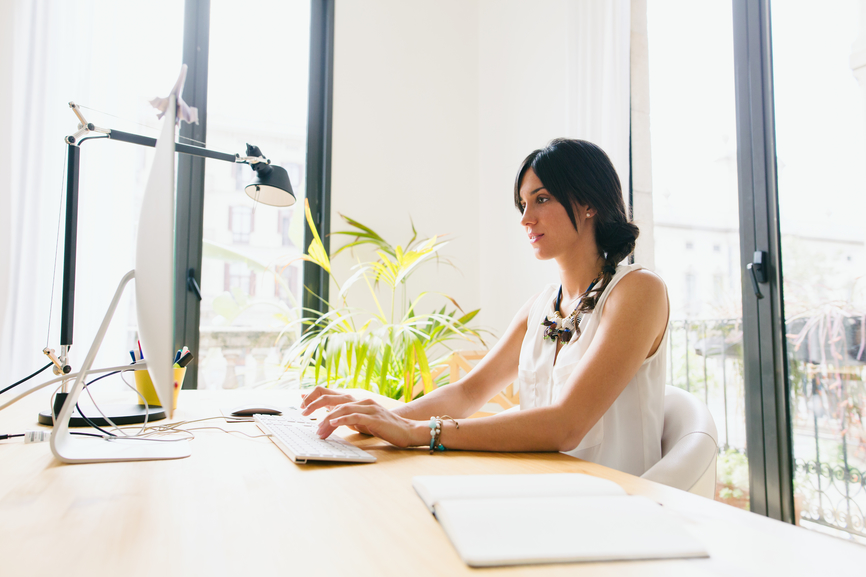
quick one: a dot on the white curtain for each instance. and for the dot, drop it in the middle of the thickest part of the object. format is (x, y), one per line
(553, 68)
(7, 21)
(90, 52)
(598, 75)
(31, 178)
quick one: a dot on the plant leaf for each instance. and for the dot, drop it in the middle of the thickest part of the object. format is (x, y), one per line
(383, 372)
(426, 378)
(316, 250)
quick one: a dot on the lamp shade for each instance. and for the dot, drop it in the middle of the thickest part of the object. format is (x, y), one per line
(271, 186)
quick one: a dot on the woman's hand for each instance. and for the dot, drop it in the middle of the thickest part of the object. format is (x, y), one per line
(365, 416)
(320, 397)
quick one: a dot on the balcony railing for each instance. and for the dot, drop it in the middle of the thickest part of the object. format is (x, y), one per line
(706, 358)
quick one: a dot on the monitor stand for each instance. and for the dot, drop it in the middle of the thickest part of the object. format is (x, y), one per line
(86, 449)
(119, 414)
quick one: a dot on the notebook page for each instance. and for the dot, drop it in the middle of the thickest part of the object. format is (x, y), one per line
(495, 532)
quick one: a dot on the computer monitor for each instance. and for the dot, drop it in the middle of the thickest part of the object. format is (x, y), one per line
(154, 287)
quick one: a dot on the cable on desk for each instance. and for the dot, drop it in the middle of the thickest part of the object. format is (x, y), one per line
(170, 428)
(104, 416)
(88, 421)
(13, 385)
(4, 437)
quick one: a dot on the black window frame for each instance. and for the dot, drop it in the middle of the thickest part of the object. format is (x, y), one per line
(768, 415)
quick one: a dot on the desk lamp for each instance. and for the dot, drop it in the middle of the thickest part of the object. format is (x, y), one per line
(271, 186)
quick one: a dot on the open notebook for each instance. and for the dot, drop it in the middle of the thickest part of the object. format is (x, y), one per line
(522, 519)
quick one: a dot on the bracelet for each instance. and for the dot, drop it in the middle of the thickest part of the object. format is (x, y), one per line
(436, 430)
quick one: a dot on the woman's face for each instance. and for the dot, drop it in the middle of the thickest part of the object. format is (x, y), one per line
(550, 231)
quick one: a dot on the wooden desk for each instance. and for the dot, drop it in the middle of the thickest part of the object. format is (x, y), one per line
(238, 506)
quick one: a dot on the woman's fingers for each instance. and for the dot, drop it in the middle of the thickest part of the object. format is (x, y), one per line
(328, 424)
(313, 395)
(322, 397)
(375, 420)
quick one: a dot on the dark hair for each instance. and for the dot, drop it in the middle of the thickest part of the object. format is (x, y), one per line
(579, 172)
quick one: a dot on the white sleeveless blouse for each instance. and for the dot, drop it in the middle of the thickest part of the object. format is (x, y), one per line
(628, 436)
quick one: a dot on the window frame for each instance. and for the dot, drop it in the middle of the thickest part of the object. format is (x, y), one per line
(768, 415)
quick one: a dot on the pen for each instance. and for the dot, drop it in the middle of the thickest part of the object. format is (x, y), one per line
(141, 354)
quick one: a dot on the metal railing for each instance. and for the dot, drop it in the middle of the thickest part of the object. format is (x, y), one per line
(706, 358)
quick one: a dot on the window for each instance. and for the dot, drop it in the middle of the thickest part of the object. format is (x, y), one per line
(284, 226)
(705, 337)
(824, 290)
(240, 224)
(238, 276)
(248, 293)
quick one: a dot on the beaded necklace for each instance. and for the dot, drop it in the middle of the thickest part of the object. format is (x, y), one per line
(562, 329)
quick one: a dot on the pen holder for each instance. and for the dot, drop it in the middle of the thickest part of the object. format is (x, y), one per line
(145, 386)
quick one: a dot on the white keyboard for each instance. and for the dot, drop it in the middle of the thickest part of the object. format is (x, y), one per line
(295, 435)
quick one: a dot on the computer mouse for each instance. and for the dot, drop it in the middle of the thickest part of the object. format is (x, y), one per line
(250, 409)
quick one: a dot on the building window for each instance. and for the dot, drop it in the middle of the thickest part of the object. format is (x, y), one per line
(691, 290)
(718, 287)
(294, 170)
(284, 222)
(243, 175)
(237, 275)
(240, 224)
(291, 280)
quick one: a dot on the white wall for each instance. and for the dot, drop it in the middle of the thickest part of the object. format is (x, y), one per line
(406, 131)
(557, 68)
(437, 103)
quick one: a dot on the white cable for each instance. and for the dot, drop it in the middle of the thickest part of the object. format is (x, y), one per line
(175, 428)
(96, 406)
(143, 400)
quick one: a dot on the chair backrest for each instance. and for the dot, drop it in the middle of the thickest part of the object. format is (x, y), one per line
(689, 445)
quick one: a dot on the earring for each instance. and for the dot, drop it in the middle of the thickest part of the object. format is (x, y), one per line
(588, 215)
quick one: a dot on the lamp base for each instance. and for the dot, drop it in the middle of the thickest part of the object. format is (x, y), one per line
(120, 414)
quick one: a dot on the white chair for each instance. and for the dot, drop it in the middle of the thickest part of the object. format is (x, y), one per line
(689, 446)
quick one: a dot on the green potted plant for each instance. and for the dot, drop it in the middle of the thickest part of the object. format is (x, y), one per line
(387, 349)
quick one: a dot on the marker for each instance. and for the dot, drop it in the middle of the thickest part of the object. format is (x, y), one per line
(184, 360)
(140, 353)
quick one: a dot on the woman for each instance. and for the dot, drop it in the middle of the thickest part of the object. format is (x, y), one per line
(588, 353)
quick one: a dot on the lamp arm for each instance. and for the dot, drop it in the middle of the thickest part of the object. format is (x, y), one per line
(183, 148)
(71, 224)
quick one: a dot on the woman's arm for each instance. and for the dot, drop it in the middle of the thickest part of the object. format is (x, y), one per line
(635, 317)
(633, 324)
